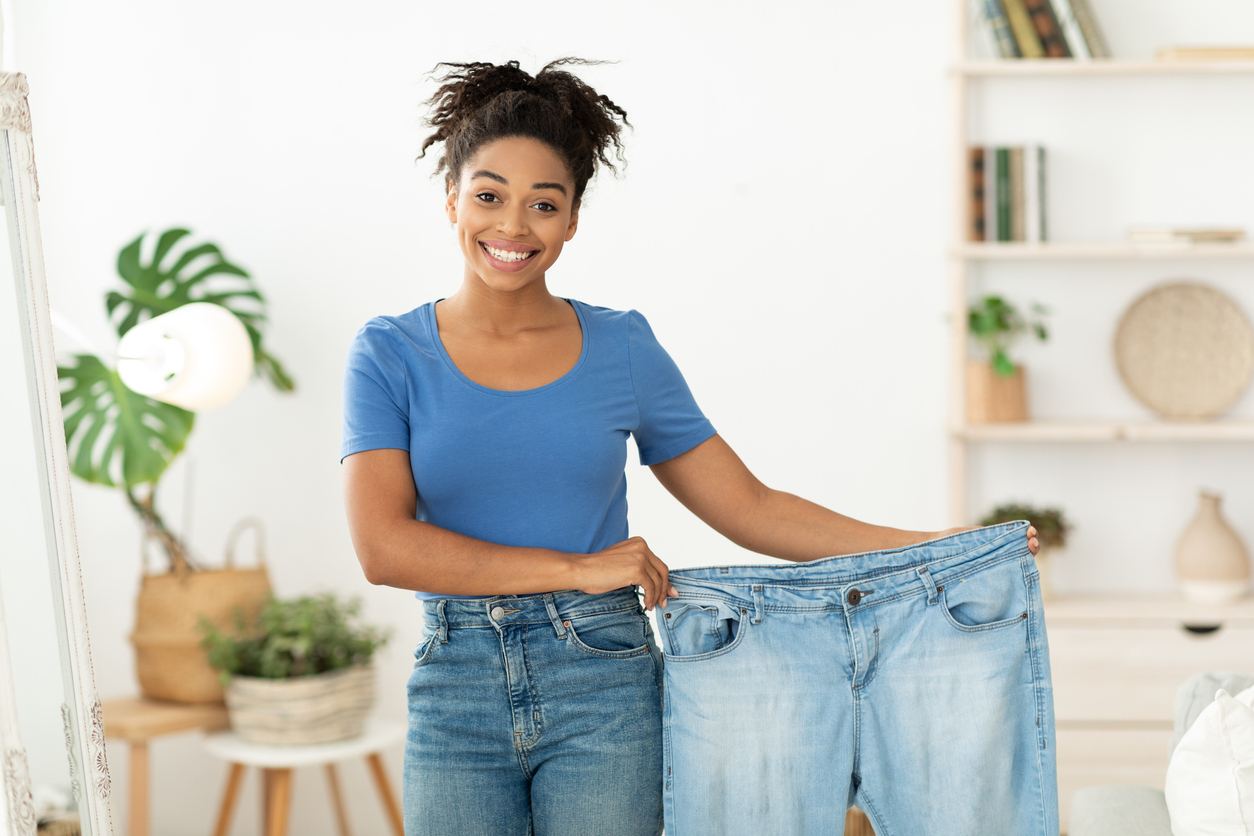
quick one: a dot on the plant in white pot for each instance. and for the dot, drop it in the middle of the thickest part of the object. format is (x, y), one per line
(300, 673)
(996, 386)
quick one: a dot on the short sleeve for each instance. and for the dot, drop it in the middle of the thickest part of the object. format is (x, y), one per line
(670, 421)
(376, 401)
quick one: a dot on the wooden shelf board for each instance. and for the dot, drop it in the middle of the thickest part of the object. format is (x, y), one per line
(1044, 67)
(1045, 431)
(1115, 250)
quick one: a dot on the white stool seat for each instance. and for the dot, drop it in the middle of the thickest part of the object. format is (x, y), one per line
(377, 734)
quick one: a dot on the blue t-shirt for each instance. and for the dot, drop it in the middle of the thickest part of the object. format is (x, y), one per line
(541, 467)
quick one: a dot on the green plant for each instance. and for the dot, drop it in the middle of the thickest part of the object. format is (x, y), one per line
(1051, 526)
(115, 436)
(294, 637)
(995, 324)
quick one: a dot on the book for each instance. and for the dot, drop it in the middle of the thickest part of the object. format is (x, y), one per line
(1016, 193)
(1205, 53)
(1093, 37)
(975, 193)
(992, 17)
(990, 193)
(1031, 195)
(1187, 235)
(1046, 26)
(1021, 25)
(1003, 194)
(1071, 31)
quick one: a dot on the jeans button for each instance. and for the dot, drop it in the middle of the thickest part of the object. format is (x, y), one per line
(854, 596)
(498, 612)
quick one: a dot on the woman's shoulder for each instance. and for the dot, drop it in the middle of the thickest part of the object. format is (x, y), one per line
(400, 329)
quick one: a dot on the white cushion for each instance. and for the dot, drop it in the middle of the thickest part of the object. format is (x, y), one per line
(1210, 777)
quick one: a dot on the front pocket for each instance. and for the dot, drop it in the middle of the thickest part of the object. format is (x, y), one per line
(613, 635)
(992, 598)
(422, 653)
(701, 628)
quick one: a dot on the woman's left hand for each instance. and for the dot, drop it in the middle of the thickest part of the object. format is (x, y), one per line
(1033, 545)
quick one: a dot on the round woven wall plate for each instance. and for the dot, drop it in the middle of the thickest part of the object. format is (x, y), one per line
(1185, 350)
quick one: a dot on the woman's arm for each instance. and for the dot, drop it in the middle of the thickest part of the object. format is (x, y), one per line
(395, 549)
(712, 482)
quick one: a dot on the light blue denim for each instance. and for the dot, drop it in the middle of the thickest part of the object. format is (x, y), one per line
(913, 682)
(535, 714)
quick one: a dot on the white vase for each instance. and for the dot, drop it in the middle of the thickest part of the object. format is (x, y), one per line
(1212, 564)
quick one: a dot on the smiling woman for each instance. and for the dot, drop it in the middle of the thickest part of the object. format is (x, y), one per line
(484, 449)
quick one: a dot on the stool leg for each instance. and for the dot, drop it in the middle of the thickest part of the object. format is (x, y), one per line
(385, 792)
(228, 800)
(337, 799)
(280, 802)
(267, 794)
(139, 789)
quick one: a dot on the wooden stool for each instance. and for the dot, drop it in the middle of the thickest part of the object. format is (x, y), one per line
(276, 763)
(137, 721)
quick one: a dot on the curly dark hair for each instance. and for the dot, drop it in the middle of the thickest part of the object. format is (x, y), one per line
(486, 101)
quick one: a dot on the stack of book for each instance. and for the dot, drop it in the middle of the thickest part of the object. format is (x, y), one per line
(1006, 189)
(1040, 28)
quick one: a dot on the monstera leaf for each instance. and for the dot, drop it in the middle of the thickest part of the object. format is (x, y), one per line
(116, 436)
(158, 286)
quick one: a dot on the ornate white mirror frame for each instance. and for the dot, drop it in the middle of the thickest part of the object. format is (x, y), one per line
(82, 716)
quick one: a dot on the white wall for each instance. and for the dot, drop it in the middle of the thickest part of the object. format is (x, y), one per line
(782, 221)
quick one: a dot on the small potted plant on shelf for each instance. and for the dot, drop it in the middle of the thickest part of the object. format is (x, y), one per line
(301, 673)
(996, 386)
(1051, 527)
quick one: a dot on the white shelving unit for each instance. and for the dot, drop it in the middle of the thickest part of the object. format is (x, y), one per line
(964, 75)
(1116, 659)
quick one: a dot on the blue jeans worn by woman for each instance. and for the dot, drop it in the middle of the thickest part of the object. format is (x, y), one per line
(913, 682)
(535, 714)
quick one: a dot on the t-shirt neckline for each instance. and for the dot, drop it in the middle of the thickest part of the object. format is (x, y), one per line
(448, 360)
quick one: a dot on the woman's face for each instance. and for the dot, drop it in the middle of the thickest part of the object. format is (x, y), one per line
(514, 197)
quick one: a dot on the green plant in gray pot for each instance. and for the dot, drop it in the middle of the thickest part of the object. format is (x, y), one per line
(120, 438)
(301, 672)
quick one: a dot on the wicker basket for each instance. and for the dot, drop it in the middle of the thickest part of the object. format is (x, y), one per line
(170, 664)
(321, 708)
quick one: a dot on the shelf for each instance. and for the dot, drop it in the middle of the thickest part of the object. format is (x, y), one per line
(1034, 431)
(1097, 66)
(1161, 607)
(1049, 251)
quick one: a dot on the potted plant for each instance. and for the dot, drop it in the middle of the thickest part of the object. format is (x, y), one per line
(300, 672)
(996, 386)
(120, 438)
(1051, 527)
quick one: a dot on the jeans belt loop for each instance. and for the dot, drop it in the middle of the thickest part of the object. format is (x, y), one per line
(925, 575)
(442, 630)
(554, 617)
(757, 603)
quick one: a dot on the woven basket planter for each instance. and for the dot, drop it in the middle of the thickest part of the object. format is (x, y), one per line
(321, 708)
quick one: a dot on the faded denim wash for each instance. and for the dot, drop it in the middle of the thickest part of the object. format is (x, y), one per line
(535, 714)
(913, 682)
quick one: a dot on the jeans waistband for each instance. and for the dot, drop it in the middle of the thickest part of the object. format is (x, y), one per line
(533, 608)
(880, 574)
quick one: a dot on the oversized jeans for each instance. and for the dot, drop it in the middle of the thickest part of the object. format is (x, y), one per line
(913, 682)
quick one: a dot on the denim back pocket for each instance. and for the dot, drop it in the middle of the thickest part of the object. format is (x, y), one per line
(993, 597)
(701, 628)
(614, 635)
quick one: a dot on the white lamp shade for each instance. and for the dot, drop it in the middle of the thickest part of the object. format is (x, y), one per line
(197, 356)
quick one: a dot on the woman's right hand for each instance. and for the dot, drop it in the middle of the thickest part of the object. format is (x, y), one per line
(627, 562)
